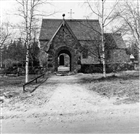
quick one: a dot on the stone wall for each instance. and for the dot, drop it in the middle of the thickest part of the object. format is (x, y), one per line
(64, 42)
(93, 55)
(117, 56)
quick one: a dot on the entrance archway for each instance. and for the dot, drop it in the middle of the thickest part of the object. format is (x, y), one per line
(63, 62)
(64, 57)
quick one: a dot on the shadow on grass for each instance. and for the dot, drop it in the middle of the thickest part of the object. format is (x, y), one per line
(12, 86)
(36, 85)
(123, 86)
(16, 81)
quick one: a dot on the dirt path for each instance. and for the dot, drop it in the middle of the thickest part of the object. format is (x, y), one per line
(63, 105)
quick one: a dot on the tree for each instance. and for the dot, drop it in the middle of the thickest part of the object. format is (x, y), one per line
(128, 14)
(20, 51)
(132, 49)
(105, 20)
(4, 36)
(34, 54)
(14, 53)
(28, 11)
(42, 58)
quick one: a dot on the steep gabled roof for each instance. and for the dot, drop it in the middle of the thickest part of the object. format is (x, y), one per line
(114, 40)
(81, 28)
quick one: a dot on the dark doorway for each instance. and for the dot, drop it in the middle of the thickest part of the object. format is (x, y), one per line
(61, 60)
(64, 62)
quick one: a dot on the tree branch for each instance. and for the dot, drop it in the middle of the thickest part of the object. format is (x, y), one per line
(92, 9)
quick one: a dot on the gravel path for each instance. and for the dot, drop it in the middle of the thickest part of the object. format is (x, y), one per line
(63, 105)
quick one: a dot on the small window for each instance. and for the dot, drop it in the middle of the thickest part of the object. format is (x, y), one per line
(85, 53)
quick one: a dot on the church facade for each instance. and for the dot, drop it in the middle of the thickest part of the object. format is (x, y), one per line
(78, 41)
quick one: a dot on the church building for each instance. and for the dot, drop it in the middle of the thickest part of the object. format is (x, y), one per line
(77, 42)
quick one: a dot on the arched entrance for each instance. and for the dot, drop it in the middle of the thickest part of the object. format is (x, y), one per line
(64, 59)
(64, 62)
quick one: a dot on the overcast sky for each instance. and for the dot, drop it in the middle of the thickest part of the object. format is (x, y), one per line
(9, 7)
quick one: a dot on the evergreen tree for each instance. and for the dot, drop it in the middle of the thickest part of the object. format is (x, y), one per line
(34, 52)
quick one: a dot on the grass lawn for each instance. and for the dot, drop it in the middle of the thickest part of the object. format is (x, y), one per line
(13, 84)
(123, 85)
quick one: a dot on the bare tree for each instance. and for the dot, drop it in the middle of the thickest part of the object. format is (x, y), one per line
(105, 20)
(94, 40)
(4, 36)
(28, 10)
(128, 14)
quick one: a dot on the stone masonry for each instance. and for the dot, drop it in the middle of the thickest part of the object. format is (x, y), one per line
(64, 41)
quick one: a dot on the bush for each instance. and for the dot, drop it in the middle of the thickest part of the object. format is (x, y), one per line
(90, 68)
(35, 70)
(1, 70)
(119, 67)
(98, 68)
(8, 63)
(21, 70)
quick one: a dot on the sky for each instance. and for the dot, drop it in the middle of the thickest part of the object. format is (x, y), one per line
(80, 10)
(8, 9)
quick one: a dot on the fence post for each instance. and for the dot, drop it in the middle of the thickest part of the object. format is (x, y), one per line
(23, 88)
(43, 75)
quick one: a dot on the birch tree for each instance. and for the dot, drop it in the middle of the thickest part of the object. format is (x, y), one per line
(105, 20)
(28, 10)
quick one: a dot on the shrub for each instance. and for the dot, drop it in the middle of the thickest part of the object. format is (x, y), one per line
(115, 67)
(90, 68)
(98, 68)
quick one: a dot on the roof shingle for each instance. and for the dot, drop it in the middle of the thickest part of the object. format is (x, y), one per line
(114, 40)
(83, 29)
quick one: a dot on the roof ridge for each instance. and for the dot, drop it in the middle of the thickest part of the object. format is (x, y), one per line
(71, 19)
(113, 33)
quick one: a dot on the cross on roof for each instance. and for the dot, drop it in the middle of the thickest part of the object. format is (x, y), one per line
(70, 13)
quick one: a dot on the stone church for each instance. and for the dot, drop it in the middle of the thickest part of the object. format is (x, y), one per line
(77, 42)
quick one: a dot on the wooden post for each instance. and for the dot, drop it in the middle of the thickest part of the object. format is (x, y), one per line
(24, 88)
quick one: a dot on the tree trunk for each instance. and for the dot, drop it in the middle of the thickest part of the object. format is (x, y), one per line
(27, 65)
(1, 57)
(103, 47)
(27, 46)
